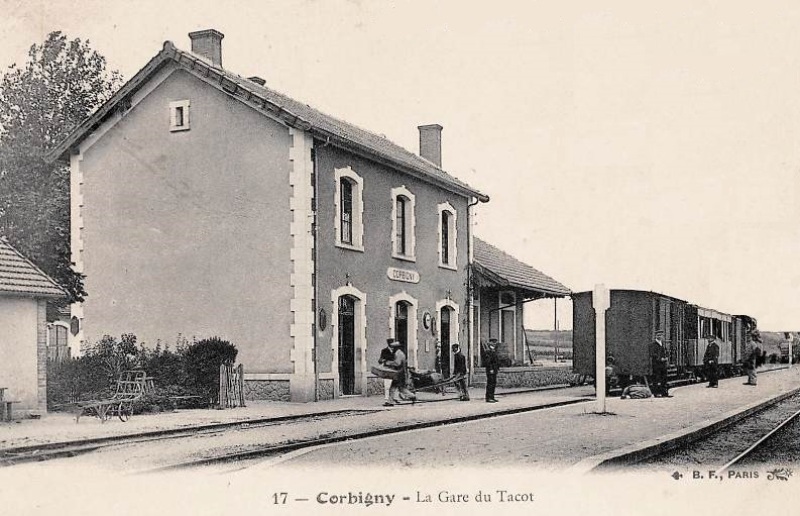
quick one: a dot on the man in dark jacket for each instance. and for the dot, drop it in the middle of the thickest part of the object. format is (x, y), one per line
(710, 361)
(387, 356)
(460, 371)
(751, 351)
(492, 363)
(658, 363)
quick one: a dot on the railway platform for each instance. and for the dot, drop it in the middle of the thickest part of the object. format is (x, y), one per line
(568, 435)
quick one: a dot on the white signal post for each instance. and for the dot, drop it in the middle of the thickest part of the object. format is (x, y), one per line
(601, 301)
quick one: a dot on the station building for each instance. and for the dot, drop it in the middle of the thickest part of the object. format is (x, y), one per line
(206, 204)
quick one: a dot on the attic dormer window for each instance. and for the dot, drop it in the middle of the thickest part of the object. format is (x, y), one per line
(179, 115)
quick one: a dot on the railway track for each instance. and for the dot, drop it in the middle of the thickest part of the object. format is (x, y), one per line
(49, 451)
(271, 450)
(224, 450)
(759, 446)
(735, 445)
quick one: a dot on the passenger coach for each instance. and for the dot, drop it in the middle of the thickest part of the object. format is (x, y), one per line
(632, 322)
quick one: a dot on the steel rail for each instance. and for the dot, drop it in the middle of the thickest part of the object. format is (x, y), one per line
(276, 449)
(50, 451)
(759, 442)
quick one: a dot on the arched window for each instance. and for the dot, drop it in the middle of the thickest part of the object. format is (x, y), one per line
(403, 224)
(346, 212)
(447, 236)
(349, 203)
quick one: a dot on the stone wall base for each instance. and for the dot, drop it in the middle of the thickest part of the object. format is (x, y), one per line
(527, 377)
(267, 390)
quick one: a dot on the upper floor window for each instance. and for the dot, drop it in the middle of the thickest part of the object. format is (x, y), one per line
(403, 223)
(349, 204)
(447, 236)
(179, 115)
(346, 213)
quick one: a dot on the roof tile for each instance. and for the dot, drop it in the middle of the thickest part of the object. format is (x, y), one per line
(515, 272)
(18, 276)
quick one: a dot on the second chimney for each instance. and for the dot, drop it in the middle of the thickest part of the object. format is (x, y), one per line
(208, 44)
(430, 143)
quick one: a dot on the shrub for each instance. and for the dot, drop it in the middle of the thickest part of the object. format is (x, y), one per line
(76, 379)
(203, 360)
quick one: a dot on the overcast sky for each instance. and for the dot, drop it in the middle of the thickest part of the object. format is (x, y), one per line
(645, 145)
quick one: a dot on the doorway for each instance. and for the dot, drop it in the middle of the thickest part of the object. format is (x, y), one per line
(401, 325)
(445, 339)
(347, 345)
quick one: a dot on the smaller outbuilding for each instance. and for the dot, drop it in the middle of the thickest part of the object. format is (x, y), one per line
(24, 294)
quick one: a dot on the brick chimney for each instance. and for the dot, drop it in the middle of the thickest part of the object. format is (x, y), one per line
(430, 143)
(208, 44)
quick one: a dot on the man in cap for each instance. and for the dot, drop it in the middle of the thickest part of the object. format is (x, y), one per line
(492, 363)
(460, 371)
(710, 361)
(658, 363)
(387, 357)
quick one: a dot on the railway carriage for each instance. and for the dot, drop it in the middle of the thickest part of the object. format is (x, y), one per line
(632, 321)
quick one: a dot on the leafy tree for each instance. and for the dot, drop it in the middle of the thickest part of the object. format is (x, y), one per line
(61, 84)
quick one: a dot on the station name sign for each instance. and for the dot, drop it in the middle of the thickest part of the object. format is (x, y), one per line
(404, 275)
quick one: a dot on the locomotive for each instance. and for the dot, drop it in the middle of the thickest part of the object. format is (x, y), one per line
(631, 325)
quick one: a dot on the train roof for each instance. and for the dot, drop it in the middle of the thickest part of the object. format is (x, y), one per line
(636, 291)
(701, 309)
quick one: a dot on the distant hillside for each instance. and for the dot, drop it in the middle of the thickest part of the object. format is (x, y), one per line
(547, 338)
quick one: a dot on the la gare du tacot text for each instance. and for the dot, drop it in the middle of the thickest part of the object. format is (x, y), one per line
(386, 499)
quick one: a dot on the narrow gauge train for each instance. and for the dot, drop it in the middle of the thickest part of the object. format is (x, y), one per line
(631, 324)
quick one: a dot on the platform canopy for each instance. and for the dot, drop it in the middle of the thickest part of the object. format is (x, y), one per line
(494, 267)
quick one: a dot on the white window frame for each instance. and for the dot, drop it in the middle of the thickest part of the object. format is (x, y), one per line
(358, 209)
(410, 224)
(452, 234)
(173, 115)
(360, 337)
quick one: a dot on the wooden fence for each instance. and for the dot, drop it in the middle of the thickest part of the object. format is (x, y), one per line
(231, 386)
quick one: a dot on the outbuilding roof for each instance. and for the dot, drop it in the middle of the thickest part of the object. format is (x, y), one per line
(19, 276)
(505, 270)
(276, 105)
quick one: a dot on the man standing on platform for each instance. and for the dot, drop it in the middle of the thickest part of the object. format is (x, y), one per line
(710, 361)
(492, 363)
(751, 351)
(460, 371)
(387, 356)
(658, 363)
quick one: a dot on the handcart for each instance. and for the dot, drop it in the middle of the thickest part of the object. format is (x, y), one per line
(131, 386)
(420, 380)
(423, 380)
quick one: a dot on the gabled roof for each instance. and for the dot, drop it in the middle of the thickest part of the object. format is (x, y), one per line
(278, 106)
(18, 276)
(505, 270)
